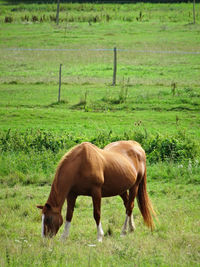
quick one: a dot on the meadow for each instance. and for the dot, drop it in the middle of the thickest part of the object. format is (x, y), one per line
(155, 102)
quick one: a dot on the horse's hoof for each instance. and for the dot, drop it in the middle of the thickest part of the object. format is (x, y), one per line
(132, 229)
(123, 234)
(63, 238)
(100, 239)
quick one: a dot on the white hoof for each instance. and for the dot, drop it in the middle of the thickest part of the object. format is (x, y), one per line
(131, 224)
(100, 238)
(123, 233)
(63, 237)
(65, 234)
(100, 233)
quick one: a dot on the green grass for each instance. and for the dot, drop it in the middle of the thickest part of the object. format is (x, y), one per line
(156, 101)
(174, 240)
(34, 105)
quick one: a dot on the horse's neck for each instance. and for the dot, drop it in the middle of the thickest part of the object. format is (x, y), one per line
(62, 184)
(57, 195)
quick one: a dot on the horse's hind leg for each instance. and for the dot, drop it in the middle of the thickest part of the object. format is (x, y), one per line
(96, 198)
(129, 208)
(132, 195)
(124, 197)
(71, 200)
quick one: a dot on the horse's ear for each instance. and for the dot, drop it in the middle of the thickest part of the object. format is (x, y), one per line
(48, 206)
(40, 207)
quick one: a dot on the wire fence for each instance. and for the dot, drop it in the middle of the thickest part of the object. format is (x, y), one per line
(82, 65)
(105, 49)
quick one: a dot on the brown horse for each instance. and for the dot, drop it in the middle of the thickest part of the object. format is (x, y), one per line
(90, 171)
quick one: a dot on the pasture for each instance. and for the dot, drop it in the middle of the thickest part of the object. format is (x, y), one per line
(156, 102)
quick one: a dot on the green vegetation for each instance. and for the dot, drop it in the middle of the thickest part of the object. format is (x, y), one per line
(89, 12)
(156, 102)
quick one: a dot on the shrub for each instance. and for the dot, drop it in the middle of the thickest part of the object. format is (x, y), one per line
(158, 148)
(175, 149)
(34, 140)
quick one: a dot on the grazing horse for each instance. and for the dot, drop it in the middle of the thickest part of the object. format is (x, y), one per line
(91, 171)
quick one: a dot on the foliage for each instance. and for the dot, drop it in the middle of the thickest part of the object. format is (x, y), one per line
(37, 141)
(95, 12)
(177, 148)
(158, 148)
(31, 157)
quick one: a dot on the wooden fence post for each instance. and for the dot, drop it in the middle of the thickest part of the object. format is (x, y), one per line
(115, 66)
(58, 10)
(59, 90)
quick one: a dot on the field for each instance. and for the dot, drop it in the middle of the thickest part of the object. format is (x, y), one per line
(155, 101)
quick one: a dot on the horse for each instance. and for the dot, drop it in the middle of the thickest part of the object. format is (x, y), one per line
(90, 171)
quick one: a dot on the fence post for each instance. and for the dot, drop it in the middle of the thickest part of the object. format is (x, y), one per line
(59, 82)
(194, 16)
(115, 66)
(58, 10)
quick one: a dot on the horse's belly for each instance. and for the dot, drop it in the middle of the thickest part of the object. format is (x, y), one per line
(110, 193)
(117, 184)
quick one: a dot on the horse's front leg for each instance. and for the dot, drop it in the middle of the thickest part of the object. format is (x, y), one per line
(96, 198)
(71, 200)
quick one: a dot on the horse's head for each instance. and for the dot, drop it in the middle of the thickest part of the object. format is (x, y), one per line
(51, 220)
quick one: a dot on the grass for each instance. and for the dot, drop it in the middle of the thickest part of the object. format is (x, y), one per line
(173, 240)
(155, 101)
(33, 105)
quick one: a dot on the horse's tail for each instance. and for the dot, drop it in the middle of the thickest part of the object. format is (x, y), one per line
(144, 203)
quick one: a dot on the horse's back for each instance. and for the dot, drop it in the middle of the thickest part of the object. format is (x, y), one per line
(128, 148)
(89, 170)
(132, 150)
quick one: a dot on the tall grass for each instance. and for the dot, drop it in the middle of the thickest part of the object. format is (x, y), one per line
(92, 13)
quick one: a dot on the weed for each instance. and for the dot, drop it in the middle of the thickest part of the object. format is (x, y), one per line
(8, 19)
(173, 88)
(25, 18)
(52, 18)
(82, 102)
(123, 94)
(109, 231)
(140, 17)
(8, 259)
(108, 17)
(34, 18)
